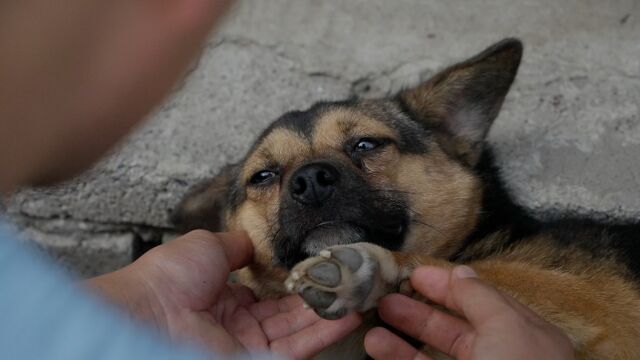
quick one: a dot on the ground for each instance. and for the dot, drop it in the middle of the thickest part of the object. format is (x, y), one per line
(568, 137)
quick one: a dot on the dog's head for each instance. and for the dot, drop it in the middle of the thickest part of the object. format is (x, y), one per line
(397, 172)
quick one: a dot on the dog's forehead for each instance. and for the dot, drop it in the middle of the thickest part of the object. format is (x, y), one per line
(304, 122)
(331, 122)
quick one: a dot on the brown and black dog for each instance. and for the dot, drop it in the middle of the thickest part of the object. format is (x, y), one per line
(344, 199)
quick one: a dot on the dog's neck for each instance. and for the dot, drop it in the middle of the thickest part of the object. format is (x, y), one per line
(500, 214)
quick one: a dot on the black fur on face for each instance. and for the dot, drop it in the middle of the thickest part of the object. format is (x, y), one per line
(354, 212)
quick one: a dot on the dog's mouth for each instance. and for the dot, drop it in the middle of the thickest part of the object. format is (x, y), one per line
(331, 233)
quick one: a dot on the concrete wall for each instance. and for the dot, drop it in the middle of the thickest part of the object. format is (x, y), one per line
(568, 137)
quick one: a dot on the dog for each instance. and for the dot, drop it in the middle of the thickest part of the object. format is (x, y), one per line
(344, 199)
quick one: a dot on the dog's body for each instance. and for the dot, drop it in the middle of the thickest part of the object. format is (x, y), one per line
(351, 196)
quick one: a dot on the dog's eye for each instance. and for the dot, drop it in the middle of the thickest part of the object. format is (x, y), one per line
(366, 144)
(262, 177)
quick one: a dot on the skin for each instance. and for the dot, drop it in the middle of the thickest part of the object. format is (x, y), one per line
(77, 75)
(492, 325)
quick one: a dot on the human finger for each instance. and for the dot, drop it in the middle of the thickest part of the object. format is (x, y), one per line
(212, 335)
(287, 323)
(246, 329)
(477, 301)
(434, 283)
(313, 339)
(243, 295)
(382, 344)
(267, 308)
(423, 322)
(237, 248)
(460, 290)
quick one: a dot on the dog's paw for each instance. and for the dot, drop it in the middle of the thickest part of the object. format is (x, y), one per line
(344, 278)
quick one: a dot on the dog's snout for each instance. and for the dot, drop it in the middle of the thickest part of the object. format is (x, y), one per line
(313, 184)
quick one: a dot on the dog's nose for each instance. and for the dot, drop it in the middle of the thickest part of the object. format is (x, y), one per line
(314, 183)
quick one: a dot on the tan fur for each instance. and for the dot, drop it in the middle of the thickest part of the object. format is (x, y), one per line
(445, 200)
(282, 147)
(338, 125)
(262, 277)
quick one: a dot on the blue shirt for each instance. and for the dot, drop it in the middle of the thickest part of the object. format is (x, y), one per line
(45, 315)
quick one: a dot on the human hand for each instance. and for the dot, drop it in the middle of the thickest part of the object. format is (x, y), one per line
(182, 288)
(496, 326)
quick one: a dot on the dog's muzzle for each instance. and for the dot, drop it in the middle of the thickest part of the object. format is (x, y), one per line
(329, 234)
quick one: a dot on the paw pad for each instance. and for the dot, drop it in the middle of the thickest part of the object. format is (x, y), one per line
(325, 273)
(336, 282)
(349, 257)
(317, 298)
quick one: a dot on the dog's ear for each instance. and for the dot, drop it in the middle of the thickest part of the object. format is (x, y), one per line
(463, 100)
(205, 206)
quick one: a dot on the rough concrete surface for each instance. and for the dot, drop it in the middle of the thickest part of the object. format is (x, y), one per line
(568, 137)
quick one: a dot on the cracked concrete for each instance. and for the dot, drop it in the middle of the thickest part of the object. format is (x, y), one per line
(568, 137)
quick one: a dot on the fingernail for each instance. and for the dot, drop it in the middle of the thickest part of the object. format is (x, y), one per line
(463, 272)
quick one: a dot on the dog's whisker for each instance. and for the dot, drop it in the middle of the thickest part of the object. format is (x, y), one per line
(395, 191)
(430, 226)
(420, 222)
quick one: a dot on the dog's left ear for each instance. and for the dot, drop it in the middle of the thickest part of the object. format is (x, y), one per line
(463, 100)
(205, 206)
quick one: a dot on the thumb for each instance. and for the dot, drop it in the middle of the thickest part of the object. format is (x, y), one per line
(476, 300)
(233, 249)
(237, 248)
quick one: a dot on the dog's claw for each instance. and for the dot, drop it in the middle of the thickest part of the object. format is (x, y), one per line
(289, 284)
(325, 254)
